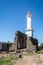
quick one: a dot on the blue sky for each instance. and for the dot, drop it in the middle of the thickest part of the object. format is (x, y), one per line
(13, 18)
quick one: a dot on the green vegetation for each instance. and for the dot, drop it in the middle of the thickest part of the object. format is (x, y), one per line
(7, 61)
(41, 45)
(40, 49)
(26, 53)
(40, 52)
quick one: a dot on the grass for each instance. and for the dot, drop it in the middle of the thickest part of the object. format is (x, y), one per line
(40, 52)
(7, 61)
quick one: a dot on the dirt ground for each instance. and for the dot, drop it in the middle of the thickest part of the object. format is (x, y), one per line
(36, 59)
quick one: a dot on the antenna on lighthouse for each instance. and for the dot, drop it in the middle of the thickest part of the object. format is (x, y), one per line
(29, 30)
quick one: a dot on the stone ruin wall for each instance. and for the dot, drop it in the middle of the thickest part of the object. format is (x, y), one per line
(21, 42)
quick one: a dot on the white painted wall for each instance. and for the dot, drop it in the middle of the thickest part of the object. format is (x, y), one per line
(29, 23)
(29, 31)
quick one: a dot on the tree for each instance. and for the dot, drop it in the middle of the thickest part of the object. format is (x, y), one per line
(41, 45)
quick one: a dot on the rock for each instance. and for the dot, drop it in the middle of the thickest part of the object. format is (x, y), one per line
(20, 56)
(41, 57)
(38, 61)
(5, 56)
(35, 64)
(0, 57)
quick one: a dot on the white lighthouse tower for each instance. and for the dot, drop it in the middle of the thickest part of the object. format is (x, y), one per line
(29, 30)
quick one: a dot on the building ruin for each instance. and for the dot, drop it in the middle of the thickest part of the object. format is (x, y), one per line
(22, 40)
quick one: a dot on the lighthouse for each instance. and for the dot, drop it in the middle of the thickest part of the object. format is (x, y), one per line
(29, 29)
